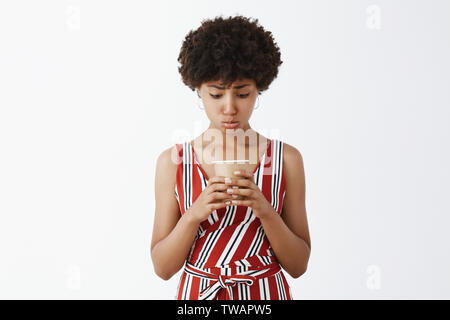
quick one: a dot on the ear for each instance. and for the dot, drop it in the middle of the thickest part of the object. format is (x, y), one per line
(197, 89)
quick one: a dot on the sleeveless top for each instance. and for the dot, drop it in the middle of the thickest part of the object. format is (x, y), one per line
(231, 240)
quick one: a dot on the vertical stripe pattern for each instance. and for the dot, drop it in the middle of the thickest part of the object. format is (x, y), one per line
(231, 242)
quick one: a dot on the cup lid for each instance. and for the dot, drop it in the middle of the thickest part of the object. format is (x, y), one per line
(230, 161)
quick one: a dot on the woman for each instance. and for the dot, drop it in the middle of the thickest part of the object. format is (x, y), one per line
(233, 236)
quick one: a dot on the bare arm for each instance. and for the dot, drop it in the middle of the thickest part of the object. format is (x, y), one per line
(169, 254)
(173, 234)
(288, 233)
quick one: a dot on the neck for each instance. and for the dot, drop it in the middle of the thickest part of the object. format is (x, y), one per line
(230, 138)
(209, 143)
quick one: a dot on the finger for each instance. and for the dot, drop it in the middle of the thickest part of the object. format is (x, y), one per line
(244, 183)
(243, 192)
(217, 187)
(247, 203)
(219, 205)
(244, 174)
(216, 179)
(218, 196)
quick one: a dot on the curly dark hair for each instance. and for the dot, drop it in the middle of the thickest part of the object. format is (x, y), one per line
(229, 49)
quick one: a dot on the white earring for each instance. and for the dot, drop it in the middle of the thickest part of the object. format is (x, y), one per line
(199, 101)
(257, 103)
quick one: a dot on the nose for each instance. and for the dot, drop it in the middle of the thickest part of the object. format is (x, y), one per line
(229, 106)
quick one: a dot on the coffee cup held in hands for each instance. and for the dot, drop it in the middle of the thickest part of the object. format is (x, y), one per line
(226, 168)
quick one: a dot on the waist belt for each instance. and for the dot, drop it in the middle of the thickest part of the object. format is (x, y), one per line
(228, 281)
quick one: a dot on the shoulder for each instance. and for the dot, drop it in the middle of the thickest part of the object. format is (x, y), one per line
(293, 163)
(291, 154)
(168, 160)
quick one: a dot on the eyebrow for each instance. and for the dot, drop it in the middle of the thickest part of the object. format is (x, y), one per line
(223, 88)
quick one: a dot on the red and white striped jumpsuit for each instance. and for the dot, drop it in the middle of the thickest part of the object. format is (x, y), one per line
(231, 258)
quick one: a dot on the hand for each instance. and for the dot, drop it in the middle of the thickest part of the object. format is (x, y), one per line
(251, 195)
(213, 197)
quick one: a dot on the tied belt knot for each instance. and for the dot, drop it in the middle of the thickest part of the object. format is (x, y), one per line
(227, 282)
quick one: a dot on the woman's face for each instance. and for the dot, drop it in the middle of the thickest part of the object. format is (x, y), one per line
(233, 104)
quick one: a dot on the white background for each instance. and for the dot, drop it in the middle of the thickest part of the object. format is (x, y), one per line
(90, 96)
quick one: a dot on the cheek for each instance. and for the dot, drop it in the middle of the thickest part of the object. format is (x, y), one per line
(209, 114)
(249, 109)
(212, 112)
(246, 105)
(250, 103)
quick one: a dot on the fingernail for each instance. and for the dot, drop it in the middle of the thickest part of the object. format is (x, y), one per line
(227, 202)
(237, 172)
(230, 190)
(235, 187)
(227, 180)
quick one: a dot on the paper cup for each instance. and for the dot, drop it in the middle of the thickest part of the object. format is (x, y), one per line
(226, 168)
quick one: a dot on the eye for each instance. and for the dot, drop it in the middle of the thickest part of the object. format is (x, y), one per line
(217, 96)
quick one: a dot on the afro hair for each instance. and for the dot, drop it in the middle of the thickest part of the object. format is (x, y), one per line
(227, 50)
